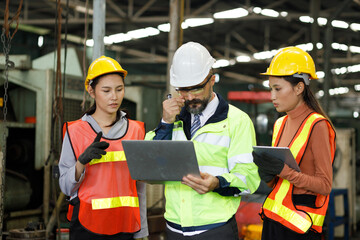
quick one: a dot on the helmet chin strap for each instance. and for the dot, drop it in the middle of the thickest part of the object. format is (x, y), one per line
(304, 76)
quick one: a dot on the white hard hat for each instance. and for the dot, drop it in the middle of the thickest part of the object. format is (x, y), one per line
(191, 64)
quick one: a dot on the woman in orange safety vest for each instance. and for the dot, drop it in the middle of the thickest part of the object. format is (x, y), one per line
(105, 203)
(296, 206)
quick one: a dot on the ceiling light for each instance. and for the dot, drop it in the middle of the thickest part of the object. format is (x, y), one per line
(257, 10)
(306, 19)
(243, 58)
(221, 63)
(270, 13)
(265, 54)
(354, 49)
(233, 13)
(338, 91)
(143, 32)
(355, 26)
(184, 25)
(40, 41)
(284, 14)
(322, 21)
(339, 24)
(319, 45)
(357, 87)
(195, 22)
(353, 68)
(355, 114)
(306, 47)
(319, 94)
(320, 74)
(339, 46)
(165, 27)
(90, 42)
(266, 83)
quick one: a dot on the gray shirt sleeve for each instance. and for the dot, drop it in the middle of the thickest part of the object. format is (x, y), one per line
(67, 182)
(141, 190)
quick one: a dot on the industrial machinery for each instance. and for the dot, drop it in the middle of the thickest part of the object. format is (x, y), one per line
(33, 138)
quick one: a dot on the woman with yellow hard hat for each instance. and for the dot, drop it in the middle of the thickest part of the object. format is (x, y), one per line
(296, 206)
(105, 203)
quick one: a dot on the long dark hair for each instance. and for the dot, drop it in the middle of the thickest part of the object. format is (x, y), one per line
(92, 109)
(308, 96)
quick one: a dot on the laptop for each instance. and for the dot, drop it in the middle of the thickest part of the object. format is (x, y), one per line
(282, 153)
(160, 160)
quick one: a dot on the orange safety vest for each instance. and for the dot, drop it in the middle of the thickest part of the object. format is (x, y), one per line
(108, 196)
(278, 205)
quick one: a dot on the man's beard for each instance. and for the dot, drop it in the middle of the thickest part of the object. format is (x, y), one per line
(196, 110)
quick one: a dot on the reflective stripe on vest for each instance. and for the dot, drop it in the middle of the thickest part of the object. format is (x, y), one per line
(110, 157)
(105, 203)
(278, 205)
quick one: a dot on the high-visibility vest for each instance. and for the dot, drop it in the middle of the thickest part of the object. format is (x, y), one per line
(219, 149)
(278, 205)
(108, 197)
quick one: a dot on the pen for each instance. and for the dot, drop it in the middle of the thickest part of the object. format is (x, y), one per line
(169, 96)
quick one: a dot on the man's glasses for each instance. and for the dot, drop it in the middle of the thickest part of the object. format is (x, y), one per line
(193, 90)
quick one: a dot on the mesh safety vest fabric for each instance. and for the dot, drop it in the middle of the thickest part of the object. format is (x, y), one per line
(278, 205)
(108, 196)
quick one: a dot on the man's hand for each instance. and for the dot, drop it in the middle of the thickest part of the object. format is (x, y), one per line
(201, 185)
(94, 151)
(171, 108)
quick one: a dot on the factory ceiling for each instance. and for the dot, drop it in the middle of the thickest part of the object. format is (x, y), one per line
(243, 46)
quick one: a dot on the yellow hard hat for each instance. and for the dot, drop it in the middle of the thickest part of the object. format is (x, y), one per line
(289, 61)
(103, 65)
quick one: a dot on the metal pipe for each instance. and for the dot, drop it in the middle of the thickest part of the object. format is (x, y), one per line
(99, 7)
(173, 38)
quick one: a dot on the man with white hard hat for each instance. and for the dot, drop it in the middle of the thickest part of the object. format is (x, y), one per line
(223, 136)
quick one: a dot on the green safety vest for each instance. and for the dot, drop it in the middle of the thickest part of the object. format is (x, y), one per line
(222, 149)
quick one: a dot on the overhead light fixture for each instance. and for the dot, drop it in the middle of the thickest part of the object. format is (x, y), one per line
(320, 74)
(270, 13)
(339, 24)
(322, 21)
(355, 27)
(339, 46)
(257, 10)
(233, 13)
(306, 46)
(265, 54)
(266, 83)
(195, 22)
(354, 49)
(243, 58)
(284, 14)
(165, 27)
(355, 114)
(143, 32)
(357, 87)
(221, 63)
(338, 91)
(306, 19)
(90, 42)
(119, 37)
(40, 41)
